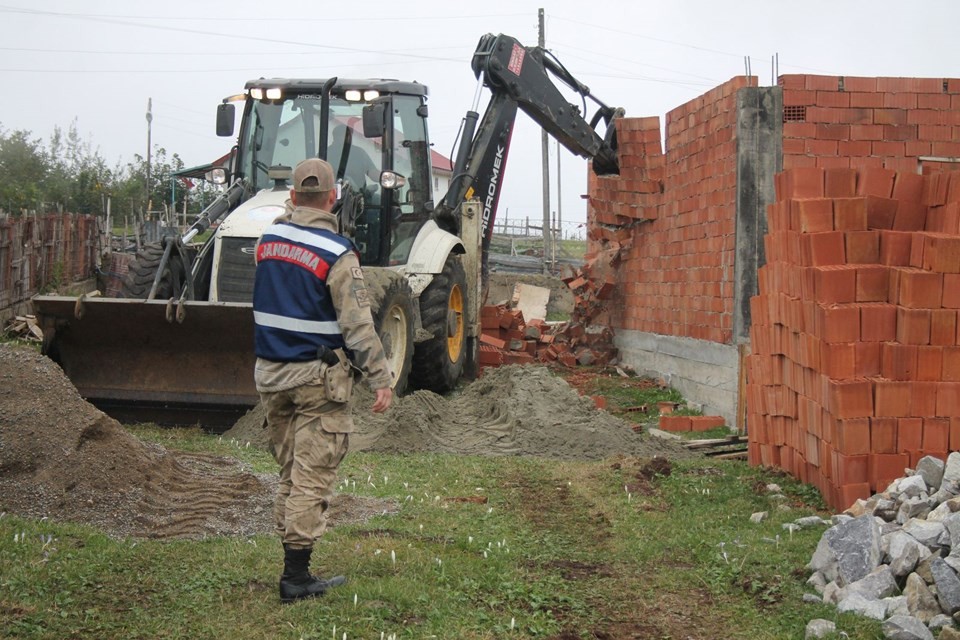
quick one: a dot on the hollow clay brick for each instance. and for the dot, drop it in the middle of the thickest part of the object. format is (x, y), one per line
(838, 323)
(883, 435)
(873, 283)
(852, 436)
(803, 182)
(951, 364)
(840, 183)
(898, 361)
(936, 434)
(835, 284)
(862, 247)
(881, 212)
(943, 327)
(850, 398)
(884, 468)
(908, 187)
(929, 364)
(895, 248)
(909, 434)
(878, 322)
(910, 216)
(913, 326)
(850, 214)
(891, 399)
(812, 215)
(867, 359)
(948, 399)
(876, 182)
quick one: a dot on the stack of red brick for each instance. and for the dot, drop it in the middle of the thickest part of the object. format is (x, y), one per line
(508, 339)
(855, 366)
(690, 423)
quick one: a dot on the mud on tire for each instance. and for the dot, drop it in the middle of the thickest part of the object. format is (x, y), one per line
(391, 304)
(438, 362)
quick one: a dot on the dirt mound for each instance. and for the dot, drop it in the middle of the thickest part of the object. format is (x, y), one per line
(62, 458)
(514, 410)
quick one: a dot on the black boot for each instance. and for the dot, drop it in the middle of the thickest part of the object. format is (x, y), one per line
(296, 582)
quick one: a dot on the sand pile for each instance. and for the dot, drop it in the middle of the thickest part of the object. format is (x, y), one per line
(514, 410)
(62, 458)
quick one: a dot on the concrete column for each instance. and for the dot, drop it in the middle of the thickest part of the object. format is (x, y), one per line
(759, 159)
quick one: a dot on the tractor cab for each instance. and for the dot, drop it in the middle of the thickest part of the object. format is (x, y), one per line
(373, 133)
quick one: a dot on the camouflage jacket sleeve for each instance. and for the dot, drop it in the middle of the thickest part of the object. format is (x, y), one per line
(352, 302)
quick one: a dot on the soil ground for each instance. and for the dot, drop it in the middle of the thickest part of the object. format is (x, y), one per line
(62, 458)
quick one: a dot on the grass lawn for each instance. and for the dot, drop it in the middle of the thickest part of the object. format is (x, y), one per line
(559, 550)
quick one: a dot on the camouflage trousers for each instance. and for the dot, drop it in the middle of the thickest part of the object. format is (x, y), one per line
(309, 437)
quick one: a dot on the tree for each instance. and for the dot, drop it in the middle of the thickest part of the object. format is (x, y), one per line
(131, 189)
(78, 177)
(23, 168)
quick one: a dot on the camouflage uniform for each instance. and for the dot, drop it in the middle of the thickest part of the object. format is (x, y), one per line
(306, 403)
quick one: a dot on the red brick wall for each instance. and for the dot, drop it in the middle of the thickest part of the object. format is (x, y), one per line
(672, 214)
(870, 122)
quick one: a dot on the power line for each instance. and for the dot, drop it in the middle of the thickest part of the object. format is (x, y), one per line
(684, 44)
(646, 37)
(643, 64)
(8, 9)
(90, 17)
(594, 74)
(206, 53)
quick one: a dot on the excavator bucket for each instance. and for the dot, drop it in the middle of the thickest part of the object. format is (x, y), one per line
(149, 360)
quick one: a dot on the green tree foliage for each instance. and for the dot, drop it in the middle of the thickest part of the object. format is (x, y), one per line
(23, 169)
(68, 173)
(78, 177)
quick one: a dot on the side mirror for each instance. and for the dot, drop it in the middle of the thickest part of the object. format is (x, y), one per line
(225, 117)
(216, 175)
(373, 125)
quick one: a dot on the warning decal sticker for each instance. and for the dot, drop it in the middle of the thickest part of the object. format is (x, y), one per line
(516, 59)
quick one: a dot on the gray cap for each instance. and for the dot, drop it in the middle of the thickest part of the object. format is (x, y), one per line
(313, 168)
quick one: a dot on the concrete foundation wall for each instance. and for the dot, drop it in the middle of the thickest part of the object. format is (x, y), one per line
(705, 372)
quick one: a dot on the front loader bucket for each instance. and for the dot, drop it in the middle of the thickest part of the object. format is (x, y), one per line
(134, 359)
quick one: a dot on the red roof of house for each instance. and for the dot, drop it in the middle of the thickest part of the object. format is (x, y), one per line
(440, 161)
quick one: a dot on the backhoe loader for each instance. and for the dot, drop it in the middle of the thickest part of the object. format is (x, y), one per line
(180, 336)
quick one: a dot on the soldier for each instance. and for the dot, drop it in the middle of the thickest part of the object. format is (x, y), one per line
(313, 329)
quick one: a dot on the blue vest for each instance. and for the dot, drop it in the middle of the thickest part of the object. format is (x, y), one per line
(292, 309)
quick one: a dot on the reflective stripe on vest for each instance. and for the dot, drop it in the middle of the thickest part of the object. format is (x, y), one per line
(293, 324)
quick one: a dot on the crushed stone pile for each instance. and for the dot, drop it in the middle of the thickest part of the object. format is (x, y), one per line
(63, 459)
(510, 411)
(896, 556)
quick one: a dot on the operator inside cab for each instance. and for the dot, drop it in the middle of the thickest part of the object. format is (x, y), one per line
(353, 163)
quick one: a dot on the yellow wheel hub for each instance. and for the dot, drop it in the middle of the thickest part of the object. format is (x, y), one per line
(455, 326)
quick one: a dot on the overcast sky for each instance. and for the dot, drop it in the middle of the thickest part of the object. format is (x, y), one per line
(99, 61)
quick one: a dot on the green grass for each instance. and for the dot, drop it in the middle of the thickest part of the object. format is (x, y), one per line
(574, 548)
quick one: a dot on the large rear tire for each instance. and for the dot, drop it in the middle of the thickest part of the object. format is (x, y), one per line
(438, 362)
(391, 304)
(142, 271)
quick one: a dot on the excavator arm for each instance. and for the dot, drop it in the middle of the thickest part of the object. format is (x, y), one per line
(520, 77)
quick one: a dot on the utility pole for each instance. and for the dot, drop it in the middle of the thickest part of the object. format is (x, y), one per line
(545, 162)
(149, 132)
(559, 207)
